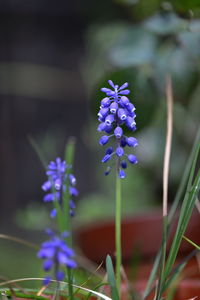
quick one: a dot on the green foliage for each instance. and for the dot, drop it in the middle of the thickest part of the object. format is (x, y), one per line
(111, 278)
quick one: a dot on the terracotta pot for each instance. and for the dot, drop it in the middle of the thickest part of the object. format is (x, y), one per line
(141, 233)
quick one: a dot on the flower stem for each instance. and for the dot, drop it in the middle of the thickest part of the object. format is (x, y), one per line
(118, 232)
(70, 282)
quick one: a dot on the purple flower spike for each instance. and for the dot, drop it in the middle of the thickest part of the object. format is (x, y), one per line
(58, 179)
(117, 112)
(56, 254)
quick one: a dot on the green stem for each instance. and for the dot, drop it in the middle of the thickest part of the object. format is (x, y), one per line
(70, 284)
(118, 232)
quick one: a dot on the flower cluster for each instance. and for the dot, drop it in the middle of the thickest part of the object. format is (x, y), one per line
(117, 112)
(58, 179)
(56, 254)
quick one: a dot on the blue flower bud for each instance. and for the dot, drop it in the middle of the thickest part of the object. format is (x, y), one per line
(48, 198)
(106, 90)
(58, 184)
(122, 174)
(119, 151)
(60, 275)
(107, 172)
(131, 142)
(123, 86)
(122, 114)
(46, 186)
(102, 127)
(108, 128)
(118, 132)
(72, 179)
(47, 265)
(130, 122)
(103, 140)
(105, 102)
(111, 84)
(53, 213)
(132, 158)
(72, 204)
(124, 101)
(123, 142)
(109, 119)
(111, 93)
(109, 150)
(103, 112)
(124, 92)
(73, 191)
(47, 280)
(106, 158)
(130, 107)
(113, 107)
(123, 164)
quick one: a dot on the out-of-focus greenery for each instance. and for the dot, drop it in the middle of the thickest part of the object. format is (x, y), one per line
(150, 41)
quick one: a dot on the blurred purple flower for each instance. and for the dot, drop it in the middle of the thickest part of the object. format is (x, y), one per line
(56, 255)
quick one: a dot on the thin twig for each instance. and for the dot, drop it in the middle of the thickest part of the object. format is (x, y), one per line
(169, 97)
(18, 240)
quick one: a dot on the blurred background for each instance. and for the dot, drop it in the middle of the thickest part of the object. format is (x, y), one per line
(54, 58)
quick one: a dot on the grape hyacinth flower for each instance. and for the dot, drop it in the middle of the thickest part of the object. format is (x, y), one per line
(58, 179)
(56, 255)
(117, 112)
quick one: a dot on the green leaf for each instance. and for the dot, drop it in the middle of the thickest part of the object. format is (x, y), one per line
(164, 24)
(111, 278)
(135, 48)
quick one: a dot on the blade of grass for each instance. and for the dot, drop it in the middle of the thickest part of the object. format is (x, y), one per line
(185, 176)
(179, 268)
(192, 157)
(161, 279)
(111, 278)
(95, 288)
(191, 242)
(186, 211)
(167, 154)
(64, 283)
(19, 241)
